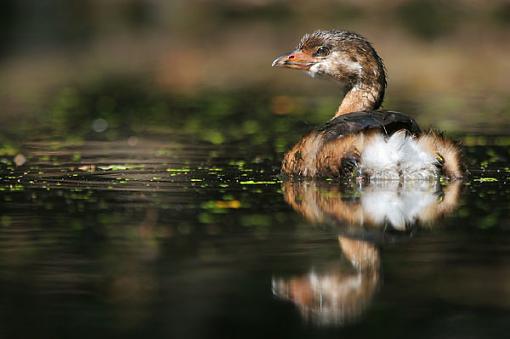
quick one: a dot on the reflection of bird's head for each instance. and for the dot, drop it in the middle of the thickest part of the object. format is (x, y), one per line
(339, 294)
(344, 56)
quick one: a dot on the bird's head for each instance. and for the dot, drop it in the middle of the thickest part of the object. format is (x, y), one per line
(344, 56)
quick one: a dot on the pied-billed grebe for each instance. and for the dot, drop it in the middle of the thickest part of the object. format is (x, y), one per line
(361, 140)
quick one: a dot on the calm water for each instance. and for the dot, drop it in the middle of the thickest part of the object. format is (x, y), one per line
(144, 237)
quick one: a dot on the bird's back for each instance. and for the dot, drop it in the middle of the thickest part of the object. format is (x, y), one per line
(388, 122)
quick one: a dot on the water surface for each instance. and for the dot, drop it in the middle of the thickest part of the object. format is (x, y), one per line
(171, 239)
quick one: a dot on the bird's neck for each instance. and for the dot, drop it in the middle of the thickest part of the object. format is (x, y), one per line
(362, 97)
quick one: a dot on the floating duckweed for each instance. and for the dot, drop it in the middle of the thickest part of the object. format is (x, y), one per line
(486, 179)
(16, 188)
(252, 182)
(178, 170)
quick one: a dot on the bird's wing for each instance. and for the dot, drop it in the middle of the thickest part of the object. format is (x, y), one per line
(387, 121)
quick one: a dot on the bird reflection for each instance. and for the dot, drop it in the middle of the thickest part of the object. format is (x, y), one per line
(341, 292)
(400, 205)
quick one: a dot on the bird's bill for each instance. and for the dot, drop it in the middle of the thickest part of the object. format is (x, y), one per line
(295, 60)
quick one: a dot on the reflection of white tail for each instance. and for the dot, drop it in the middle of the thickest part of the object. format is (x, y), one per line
(400, 204)
(399, 207)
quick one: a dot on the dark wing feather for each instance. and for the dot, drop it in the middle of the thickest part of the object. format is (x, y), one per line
(387, 121)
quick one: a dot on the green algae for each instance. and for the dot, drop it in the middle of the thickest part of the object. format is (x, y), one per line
(178, 170)
(486, 179)
(261, 182)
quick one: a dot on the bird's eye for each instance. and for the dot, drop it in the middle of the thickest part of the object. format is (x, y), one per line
(322, 51)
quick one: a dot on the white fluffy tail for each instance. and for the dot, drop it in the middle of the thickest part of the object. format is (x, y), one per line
(400, 156)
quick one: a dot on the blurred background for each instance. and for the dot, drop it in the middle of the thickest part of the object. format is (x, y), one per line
(105, 69)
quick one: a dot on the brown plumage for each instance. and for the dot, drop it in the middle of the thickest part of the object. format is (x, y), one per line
(356, 139)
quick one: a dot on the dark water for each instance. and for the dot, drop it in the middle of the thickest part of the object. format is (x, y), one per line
(144, 237)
